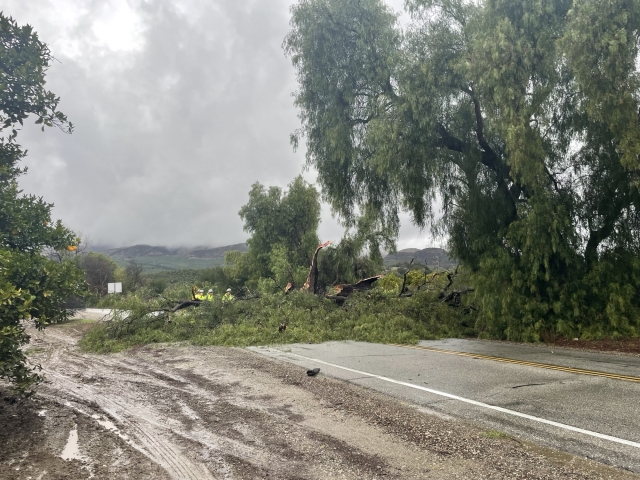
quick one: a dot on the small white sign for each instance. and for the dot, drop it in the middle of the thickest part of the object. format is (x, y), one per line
(114, 287)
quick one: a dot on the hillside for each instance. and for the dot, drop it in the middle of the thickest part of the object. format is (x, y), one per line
(430, 256)
(155, 258)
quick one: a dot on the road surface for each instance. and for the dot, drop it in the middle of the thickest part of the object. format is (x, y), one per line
(587, 404)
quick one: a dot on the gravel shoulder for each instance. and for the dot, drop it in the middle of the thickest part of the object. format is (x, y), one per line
(175, 411)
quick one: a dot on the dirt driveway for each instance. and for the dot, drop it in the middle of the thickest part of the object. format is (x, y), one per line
(211, 413)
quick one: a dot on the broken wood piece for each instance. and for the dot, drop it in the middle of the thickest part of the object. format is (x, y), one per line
(311, 285)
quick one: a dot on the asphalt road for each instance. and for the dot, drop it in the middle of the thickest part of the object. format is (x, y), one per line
(592, 416)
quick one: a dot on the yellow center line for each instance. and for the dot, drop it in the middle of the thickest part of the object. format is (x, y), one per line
(548, 366)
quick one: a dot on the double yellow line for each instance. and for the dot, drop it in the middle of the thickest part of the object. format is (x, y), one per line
(580, 371)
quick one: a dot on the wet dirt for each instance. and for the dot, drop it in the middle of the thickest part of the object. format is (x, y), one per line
(184, 412)
(626, 346)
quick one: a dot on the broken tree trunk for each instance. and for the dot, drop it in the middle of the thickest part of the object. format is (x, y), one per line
(346, 289)
(185, 304)
(341, 292)
(311, 285)
(453, 297)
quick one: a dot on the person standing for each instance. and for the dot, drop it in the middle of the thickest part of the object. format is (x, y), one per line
(227, 297)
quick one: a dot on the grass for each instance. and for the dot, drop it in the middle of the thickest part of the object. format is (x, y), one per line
(75, 321)
(171, 263)
(376, 317)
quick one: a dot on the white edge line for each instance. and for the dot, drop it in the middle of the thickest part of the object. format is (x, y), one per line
(477, 404)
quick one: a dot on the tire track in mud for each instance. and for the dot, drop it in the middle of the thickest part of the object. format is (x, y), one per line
(149, 435)
(148, 440)
(67, 371)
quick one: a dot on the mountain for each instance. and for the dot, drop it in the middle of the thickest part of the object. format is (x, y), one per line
(138, 251)
(155, 258)
(429, 256)
(204, 252)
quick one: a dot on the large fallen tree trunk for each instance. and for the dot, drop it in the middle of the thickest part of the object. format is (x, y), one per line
(342, 291)
(346, 289)
(183, 304)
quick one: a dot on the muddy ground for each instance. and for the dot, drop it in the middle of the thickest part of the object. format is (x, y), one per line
(219, 413)
(626, 346)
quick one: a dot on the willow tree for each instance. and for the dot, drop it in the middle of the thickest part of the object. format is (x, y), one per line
(519, 117)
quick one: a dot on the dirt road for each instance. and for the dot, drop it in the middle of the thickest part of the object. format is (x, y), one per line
(211, 413)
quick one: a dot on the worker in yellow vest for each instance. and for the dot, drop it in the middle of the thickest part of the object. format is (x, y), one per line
(200, 295)
(209, 297)
(227, 297)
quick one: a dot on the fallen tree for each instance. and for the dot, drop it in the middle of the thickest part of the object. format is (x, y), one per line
(342, 291)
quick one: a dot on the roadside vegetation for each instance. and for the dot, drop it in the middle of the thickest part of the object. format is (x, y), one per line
(32, 284)
(379, 315)
(288, 289)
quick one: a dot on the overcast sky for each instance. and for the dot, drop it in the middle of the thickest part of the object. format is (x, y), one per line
(178, 105)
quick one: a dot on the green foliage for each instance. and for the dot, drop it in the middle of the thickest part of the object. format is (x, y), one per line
(375, 317)
(346, 263)
(240, 269)
(31, 285)
(189, 276)
(391, 283)
(99, 271)
(521, 116)
(289, 220)
(284, 270)
(170, 263)
(133, 278)
(158, 285)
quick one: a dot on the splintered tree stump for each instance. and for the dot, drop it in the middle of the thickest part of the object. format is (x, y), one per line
(311, 285)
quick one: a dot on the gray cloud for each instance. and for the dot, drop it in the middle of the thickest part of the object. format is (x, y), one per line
(179, 107)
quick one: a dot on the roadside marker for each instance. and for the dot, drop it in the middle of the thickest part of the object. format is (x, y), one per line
(548, 366)
(477, 404)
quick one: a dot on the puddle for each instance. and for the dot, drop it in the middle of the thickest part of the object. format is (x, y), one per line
(72, 448)
(187, 412)
(110, 426)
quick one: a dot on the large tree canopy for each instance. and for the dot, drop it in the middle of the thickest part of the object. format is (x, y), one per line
(288, 221)
(520, 116)
(31, 285)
